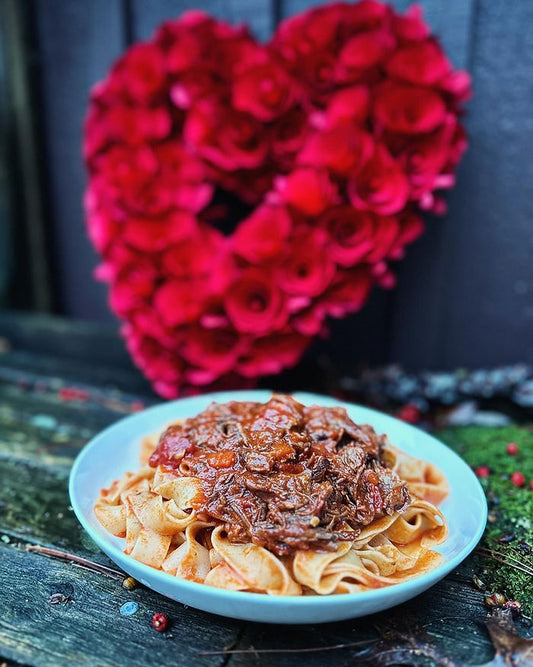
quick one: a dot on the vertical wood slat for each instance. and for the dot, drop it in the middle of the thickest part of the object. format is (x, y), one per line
(466, 298)
(27, 196)
(258, 14)
(77, 42)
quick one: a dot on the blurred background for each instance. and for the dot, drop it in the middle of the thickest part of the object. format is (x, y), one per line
(464, 294)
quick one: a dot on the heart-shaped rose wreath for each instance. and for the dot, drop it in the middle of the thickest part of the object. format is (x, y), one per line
(329, 138)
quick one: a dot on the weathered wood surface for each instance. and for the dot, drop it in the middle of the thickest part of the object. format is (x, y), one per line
(42, 428)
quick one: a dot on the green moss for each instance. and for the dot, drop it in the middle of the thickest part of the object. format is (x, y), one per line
(511, 508)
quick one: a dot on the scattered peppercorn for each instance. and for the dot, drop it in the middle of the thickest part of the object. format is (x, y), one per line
(512, 448)
(518, 479)
(129, 583)
(482, 471)
(506, 538)
(514, 606)
(495, 600)
(493, 516)
(160, 622)
(409, 413)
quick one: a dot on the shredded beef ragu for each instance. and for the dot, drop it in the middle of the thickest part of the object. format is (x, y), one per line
(283, 475)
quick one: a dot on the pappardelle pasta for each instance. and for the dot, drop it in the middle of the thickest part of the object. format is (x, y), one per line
(278, 498)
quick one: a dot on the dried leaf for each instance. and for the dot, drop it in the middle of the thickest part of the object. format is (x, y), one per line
(511, 649)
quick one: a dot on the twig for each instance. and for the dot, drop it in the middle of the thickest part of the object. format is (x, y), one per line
(76, 560)
(313, 649)
(489, 553)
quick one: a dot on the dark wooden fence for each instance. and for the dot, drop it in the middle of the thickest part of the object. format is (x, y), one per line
(465, 292)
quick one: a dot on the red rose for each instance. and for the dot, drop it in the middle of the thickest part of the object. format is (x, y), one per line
(421, 63)
(288, 135)
(131, 125)
(348, 293)
(381, 185)
(262, 235)
(158, 363)
(408, 109)
(263, 90)
(308, 269)
(142, 72)
(410, 26)
(424, 160)
(184, 175)
(179, 302)
(367, 15)
(459, 85)
(204, 255)
(254, 303)
(133, 285)
(350, 234)
(240, 145)
(411, 227)
(308, 190)
(362, 52)
(386, 231)
(271, 354)
(102, 229)
(341, 149)
(213, 351)
(349, 104)
(146, 320)
(155, 234)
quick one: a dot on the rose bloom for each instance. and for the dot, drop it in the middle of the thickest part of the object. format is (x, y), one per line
(134, 125)
(264, 90)
(160, 365)
(102, 228)
(255, 303)
(421, 63)
(308, 269)
(381, 185)
(241, 144)
(132, 286)
(142, 72)
(263, 235)
(350, 234)
(411, 26)
(341, 149)
(408, 109)
(362, 52)
(184, 175)
(288, 134)
(212, 351)
(269, 355)
(155, 234)
(348, 293)
(386, 231)
(179, 301)
(308, 190)
(348, 105)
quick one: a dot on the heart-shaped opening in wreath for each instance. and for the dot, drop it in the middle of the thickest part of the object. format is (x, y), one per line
(240, 194)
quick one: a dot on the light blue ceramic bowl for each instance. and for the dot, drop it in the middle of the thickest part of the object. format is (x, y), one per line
(114, 451)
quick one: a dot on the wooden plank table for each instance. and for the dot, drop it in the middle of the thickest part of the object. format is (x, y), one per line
(62, 382)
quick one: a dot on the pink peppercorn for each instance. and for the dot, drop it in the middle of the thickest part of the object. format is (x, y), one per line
(160, 622)
(512, 448)
(482, 471)
(518, 479)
